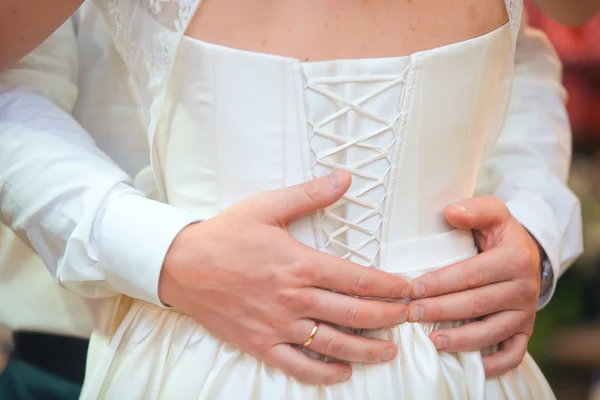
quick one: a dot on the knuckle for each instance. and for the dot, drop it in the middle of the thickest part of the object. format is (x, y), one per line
(481, 305)
(303, 271)
(522, 260)
(512, 364)
(501, 205)
(458, 342)
(398, 290)
(296, 300)
(499, 333)
(492, 200)
(473, 277)
(396, 315)
(527, 323)
(355, 317)
(515, 361)
(434, 312)
(258, 341)
(363, 286)
(331, 377)
(522, 353)
(462, 342)
(334, 346)
(300, 372)
(305, 301)
(330, 380)
(528, 290)
(491, 371)
(287, 297)
(517, 358)
(312, 191)
(373, 353)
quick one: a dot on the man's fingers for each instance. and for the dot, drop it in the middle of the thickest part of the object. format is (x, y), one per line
(290, 204)
(342, 346)
(483, 269)
(348, 311)
(333, 273)
(478, 335)
(467, 304)
(508, 358)
(297, 365)
(477, 213)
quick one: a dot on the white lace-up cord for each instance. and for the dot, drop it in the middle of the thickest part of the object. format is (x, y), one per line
(357, 169)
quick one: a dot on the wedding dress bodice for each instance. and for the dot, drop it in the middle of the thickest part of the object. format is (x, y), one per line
(410, 130)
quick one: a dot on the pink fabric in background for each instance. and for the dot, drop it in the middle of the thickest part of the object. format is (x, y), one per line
(579, 48)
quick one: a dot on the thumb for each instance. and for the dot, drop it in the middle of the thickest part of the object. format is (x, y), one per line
(477, 213)
(290, 204)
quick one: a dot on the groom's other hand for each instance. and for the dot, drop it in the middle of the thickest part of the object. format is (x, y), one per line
(246, 280)
(500, 286)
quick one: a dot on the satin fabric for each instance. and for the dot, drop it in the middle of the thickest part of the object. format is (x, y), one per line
(411, 130)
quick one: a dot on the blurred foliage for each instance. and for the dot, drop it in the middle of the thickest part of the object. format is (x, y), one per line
(585, 183)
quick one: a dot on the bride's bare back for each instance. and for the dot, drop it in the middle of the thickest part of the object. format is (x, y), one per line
(313, 30)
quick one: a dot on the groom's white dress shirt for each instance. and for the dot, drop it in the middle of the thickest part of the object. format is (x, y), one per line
(67, 184)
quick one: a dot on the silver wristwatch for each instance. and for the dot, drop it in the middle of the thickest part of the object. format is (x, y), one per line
(547, 276)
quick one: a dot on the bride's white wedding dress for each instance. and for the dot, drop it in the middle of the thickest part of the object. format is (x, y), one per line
(411, 130)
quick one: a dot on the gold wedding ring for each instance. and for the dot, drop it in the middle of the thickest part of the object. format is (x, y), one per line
(312, 335)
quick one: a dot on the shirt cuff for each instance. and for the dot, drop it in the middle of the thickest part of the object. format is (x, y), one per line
(538, 218)
(133, 238)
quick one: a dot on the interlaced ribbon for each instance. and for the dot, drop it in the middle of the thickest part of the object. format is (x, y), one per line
(360, 251)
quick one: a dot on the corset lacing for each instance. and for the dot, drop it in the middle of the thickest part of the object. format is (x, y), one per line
(374, 146)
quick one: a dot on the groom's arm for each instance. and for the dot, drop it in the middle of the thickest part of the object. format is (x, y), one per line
(61, 194)
(26, 23)
(529, 165)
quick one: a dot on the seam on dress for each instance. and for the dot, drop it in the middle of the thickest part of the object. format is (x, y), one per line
(304, 136)
(284, 127)
(215, 123)
(417, 169)
(477, 90)
(414, 68)
(397, 155)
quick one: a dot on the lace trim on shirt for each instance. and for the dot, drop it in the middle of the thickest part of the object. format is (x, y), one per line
(147, 35)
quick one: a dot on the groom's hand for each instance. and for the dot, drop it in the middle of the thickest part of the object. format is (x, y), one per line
(500, 286)
(246, 280)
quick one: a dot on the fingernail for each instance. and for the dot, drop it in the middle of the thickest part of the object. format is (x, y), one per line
(405, 292)
(346, 376)
(403, 317)
(441, 342)
(419, 290)
(462, 209)
(417, 313)
(388, 354)
(335, 179)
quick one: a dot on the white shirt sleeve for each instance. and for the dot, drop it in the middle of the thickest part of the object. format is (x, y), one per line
(95, 232)
(529, 165)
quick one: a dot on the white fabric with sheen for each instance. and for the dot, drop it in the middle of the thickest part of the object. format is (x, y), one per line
(411, 131)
